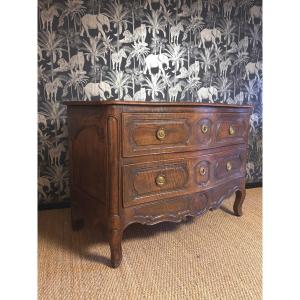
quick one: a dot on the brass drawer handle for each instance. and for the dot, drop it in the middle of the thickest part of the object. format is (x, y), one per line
(161, 134)
(202, 171)
(160, 180)
(231, 130)
(228, 166)
(204, 128)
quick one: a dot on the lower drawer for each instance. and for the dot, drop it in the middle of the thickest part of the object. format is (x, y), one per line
(151, 181)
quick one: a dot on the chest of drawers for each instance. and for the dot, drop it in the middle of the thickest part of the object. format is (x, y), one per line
(152, 162)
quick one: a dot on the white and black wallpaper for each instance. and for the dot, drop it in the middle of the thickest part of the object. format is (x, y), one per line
(184, 50)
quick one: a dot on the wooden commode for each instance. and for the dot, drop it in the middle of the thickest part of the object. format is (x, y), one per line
(150, 162)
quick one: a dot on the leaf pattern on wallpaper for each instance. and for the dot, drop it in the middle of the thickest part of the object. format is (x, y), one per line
(149, 50)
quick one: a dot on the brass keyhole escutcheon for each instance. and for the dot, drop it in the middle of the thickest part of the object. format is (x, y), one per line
(228, 166)
(161, 133)
(204, 128)
(202, 171)
(160, 180)
(231, 130)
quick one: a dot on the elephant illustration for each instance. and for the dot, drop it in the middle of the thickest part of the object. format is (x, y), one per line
(210, 35)
(116, 59)
(207, 93)
(97, 89)
(253, 68)
(156, 61)
(140, 95)
(255, 13)
(89, 21)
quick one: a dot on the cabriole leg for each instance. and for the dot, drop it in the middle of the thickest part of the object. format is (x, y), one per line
(239, 199)
(115, 239)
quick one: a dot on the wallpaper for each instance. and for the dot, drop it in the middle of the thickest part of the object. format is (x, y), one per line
(150, 50)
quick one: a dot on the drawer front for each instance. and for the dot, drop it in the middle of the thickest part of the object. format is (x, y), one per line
(143, 182)
(230, 165)
(155, 133)
(152, 181)
(231, 129)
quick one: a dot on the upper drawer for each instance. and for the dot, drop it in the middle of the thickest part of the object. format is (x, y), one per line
(231, 129)
(155, 133)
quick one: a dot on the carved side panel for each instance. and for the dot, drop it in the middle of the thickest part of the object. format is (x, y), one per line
(88, 152)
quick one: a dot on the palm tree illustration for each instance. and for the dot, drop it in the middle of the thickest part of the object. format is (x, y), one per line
(228, 30)
(176, 54)
(95, 51)
(207, 59)
(241, 58)
(170, 21)
(224, 86)
(118, 15)
(58, 175)
(156, 23)
(195, 25)
(244, 5)
(256, 36)
(119, 82)
(76, 79)
(158, 44)
(154, 86)
(54, 112)
(138, 53)
(192, 86)
(251, 89)
(52, 45)
(44, 143)
(75, 9)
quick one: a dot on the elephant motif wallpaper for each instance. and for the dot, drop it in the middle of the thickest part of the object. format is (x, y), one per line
(150, 50)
